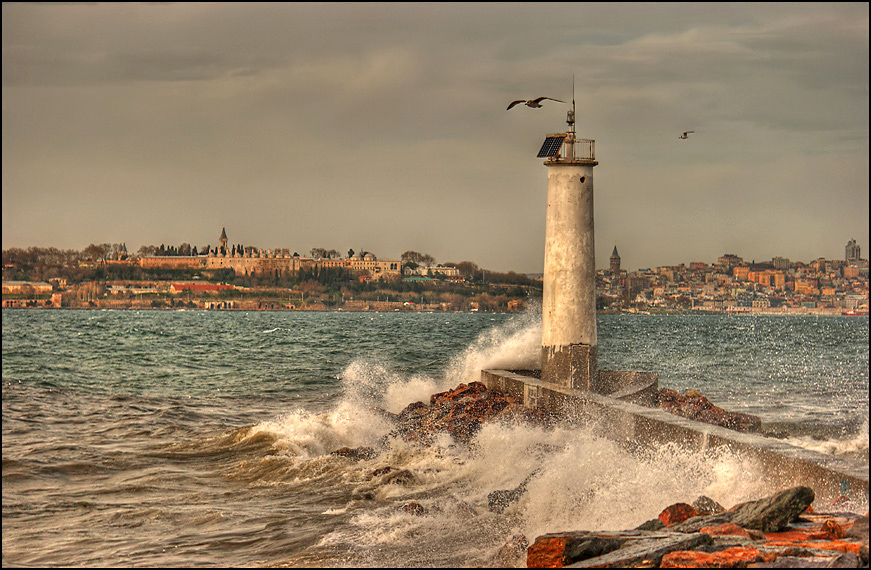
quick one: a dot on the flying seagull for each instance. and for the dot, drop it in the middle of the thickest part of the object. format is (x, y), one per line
(534, 103)
(686, 135)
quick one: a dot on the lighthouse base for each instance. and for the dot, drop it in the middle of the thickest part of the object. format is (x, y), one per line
(573, 366)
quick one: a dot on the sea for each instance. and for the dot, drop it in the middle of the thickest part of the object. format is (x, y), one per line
(205, 438)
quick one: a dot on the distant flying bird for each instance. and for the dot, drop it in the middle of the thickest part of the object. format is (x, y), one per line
(534, 103)
(686, 135)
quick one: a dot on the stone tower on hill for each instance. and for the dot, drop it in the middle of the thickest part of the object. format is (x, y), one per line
(615, 262)
(223, 241)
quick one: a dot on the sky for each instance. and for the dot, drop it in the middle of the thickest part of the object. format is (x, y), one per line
(383, 127)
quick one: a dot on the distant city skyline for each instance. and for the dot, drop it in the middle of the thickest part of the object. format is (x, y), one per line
(852, 250)
(383, 127)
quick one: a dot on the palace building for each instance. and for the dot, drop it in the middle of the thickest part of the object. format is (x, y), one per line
(252, 261)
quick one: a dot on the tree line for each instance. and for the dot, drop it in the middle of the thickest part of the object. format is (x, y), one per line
(42, 263)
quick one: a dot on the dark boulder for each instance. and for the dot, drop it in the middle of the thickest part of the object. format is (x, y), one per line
(775, 512)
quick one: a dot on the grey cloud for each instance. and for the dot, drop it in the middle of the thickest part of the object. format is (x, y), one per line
(394, 114)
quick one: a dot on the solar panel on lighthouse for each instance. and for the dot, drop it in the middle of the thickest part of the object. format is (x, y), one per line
(551, 145)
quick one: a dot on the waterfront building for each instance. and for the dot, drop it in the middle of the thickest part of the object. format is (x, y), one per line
(20, 287)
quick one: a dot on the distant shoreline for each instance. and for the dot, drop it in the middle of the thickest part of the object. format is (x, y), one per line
(799, 312)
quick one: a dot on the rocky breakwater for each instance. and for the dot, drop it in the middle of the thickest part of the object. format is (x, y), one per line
(779, 531)
(694, 406)
(460, 413)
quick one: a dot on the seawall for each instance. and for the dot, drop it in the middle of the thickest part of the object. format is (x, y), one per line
(621, 419)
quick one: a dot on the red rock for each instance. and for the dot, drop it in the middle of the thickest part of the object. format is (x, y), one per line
(548, 551)
(735, 557)
(727, 529)
(810, 540)
(677, 513)
(459, 412)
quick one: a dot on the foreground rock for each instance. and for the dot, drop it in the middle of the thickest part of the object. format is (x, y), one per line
(775, 532)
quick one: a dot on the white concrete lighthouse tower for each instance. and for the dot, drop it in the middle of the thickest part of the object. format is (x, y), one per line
(569, 345)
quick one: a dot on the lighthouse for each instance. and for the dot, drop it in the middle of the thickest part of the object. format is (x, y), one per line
(569, 346)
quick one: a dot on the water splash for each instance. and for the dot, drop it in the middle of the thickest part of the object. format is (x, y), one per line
(853, 446)
(575, 480)
(514, 345)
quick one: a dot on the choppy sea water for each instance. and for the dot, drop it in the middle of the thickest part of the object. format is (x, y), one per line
(194, 438)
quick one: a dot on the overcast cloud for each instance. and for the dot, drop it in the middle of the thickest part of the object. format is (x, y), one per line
(382, 127)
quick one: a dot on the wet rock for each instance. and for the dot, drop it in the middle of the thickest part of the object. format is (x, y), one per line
(775, 512)
(560, 549)
(501, 499)
(512, 553)
(594, 547)
(696, 524)
(379, 472)
(707, 506)
(800, 562)
(460, 412)
(735, 557)
(768, 515)
(696, 407)
(381, 412)
(399, 477)
(647, 550)
(726, 529)
(356, 453)
(859, 529)
(653, 524)
(728, 539)
(677, 513)
(621, 549)
(415, 509)
(755, 534)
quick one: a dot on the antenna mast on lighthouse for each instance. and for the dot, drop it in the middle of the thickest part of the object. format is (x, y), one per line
(570, 120)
